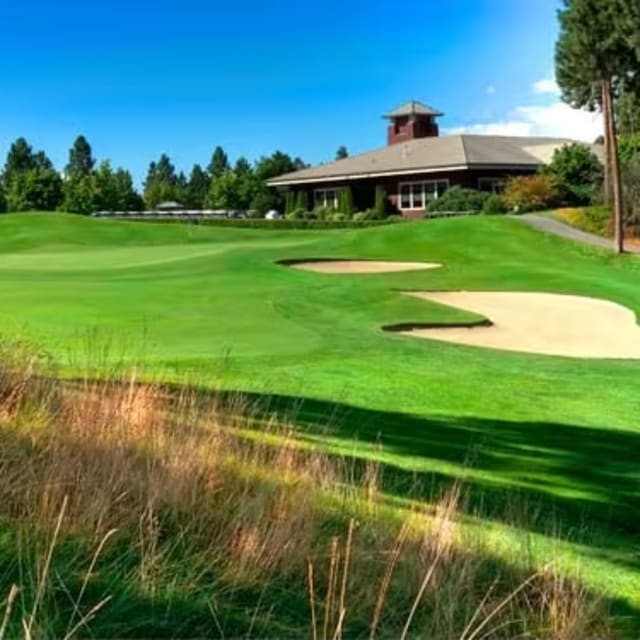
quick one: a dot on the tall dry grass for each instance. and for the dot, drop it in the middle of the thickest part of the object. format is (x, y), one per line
(134, 510)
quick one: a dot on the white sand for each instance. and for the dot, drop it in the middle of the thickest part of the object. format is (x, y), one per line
(545, 323)
(361, 266)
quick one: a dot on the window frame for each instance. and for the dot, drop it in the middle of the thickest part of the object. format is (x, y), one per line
(322, 200)
(495, 184)
(423, 195)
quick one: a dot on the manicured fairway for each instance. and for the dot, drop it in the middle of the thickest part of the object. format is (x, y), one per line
(559, 437)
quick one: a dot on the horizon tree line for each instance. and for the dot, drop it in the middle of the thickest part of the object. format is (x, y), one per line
(30, 182)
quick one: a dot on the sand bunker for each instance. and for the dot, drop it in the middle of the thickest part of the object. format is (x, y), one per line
(358, 266)
(545, 323)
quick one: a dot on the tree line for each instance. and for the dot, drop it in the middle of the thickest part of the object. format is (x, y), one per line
(30, 182)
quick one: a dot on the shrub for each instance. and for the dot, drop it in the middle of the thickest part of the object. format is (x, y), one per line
(532, 193)
(345, 201)
(381, 203)
(338, 217)
(289, 202)
(323, 213)
(369, 214)
(494, 204)
(579, 170)
(459, 199)
(302, 201)
(297, 214)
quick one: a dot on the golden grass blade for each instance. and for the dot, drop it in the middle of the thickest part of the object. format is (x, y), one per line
(45, 572)
(312, 600)
(13, 594)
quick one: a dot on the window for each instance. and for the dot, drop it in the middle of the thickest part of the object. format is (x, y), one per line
(417, 195)
(326, 198)
(492, 185)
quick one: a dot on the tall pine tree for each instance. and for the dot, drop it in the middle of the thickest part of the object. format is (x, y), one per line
(81, 160)
(594, 62)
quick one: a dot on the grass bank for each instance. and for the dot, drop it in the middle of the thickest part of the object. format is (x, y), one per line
(547, 447)
(139, 510)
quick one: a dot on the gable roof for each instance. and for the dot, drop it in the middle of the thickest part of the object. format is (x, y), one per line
(429, 155)
(411, 108)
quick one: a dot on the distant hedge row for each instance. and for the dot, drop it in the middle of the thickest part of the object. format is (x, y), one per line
(261, 223)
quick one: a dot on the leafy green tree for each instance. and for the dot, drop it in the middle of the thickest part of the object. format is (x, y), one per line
(594, 61)
(79, 194)
(219, 163)
(345, 202)
(81, 161)
(197, 188)
(3, 200)
(579, 170)
(223, 192)
(342, 153)
(38, 189)
(266, 199)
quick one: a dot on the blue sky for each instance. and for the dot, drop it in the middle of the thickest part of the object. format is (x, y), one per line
(139, 78)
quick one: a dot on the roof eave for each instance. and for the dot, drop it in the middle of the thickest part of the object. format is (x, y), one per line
(346, 177)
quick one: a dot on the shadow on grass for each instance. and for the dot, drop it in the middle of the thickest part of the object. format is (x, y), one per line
(576, 481)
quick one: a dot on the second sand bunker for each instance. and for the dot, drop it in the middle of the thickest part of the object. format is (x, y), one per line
(544, 323)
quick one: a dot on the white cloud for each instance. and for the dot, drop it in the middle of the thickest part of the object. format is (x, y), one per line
(546, 85)
(557, 120)
(491, 90)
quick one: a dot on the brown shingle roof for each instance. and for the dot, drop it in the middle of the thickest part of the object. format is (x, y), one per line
(428, 155)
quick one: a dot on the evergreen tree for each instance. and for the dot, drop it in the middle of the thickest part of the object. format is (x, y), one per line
(345, 203)
(81, 160)
(20, 158)
(594, 61)
(126, 196)
(302, 201)
(219, 163)
(161, 182)
(197, 188)
(242, 167)
(342, 153)
(41, 161)
(275, 165)
(289, 201)
(381, 202)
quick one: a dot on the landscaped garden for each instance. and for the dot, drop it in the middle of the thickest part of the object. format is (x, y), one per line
(533, 457)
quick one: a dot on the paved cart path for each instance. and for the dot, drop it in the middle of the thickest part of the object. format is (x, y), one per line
(558, 228)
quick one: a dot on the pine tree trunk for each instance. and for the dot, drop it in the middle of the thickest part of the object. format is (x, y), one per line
(616, 187)
(607, 155)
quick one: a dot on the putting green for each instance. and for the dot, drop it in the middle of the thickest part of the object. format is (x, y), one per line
(211, 304)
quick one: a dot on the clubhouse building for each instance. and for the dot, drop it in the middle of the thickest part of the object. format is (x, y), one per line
(417, 164)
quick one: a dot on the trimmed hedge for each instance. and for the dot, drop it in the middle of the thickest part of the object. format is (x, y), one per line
(261, 223)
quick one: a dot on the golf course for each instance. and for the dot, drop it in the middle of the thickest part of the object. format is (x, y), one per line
(545, 447)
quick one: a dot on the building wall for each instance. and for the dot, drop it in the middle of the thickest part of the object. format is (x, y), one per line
(364, 190)
(409, 128)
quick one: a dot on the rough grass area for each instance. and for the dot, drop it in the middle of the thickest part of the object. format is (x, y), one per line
(591, 219)
(548, 443)
(136, 510)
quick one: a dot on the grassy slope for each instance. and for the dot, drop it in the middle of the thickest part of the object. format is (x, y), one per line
(212, 301)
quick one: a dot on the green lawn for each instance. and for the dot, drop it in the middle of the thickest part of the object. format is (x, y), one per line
(212, 305)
